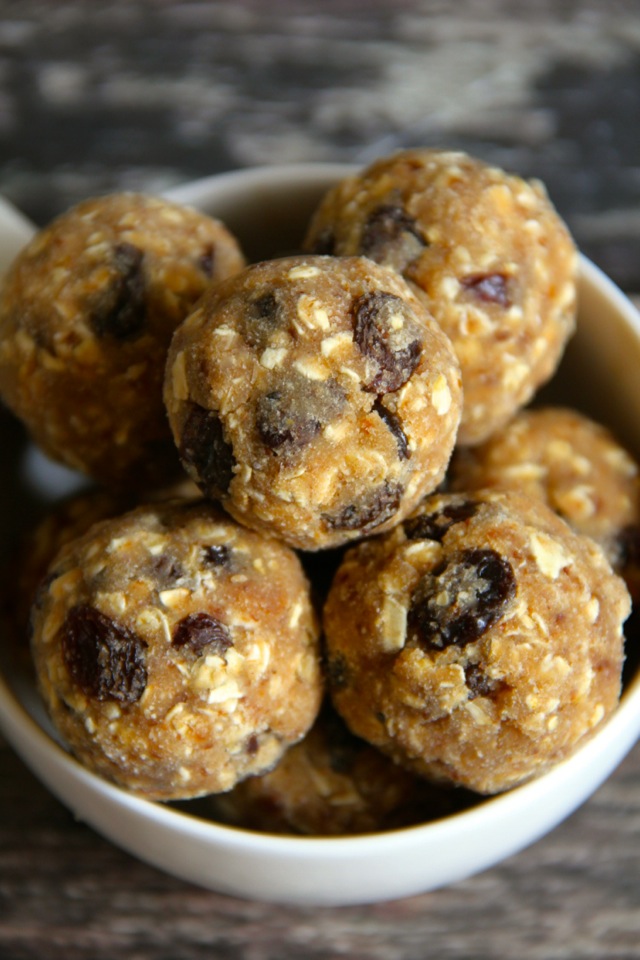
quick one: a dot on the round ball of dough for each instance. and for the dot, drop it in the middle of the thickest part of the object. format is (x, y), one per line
(493, 258)
(87, 311)
(480, 642)
(315, 397)
(334, 784)
(177, 652)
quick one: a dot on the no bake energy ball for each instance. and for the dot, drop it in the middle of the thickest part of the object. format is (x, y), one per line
(478, 643)
(489, 251)
(175, 651)
(335, 784)
(315, 397)
(572, 463)
(86, 315)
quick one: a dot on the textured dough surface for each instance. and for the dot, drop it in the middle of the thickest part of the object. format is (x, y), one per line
(478, 643)
(87, 311)
(572, 463)
(315, 397)
(334, 784)
(489, 251)
(177, 652)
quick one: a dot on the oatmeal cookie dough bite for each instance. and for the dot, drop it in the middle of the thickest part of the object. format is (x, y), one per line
(572, 463)
(488, 250)
(335, 784)
(177, 652)
(315, 397)
(478, 643)
(87, 311)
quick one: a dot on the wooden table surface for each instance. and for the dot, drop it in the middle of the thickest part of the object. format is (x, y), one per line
(144, 95)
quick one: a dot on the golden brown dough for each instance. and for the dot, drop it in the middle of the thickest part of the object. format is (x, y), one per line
(488, 250)
(315, 397)
(480, 642)
(176, 651)
(572, 463)
(87, 311)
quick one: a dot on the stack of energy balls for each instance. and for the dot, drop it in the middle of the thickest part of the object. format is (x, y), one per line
(334, 567)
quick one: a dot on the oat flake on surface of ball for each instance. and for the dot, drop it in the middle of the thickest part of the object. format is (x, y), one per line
(315, 397)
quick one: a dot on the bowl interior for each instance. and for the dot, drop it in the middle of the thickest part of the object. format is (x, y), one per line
(268, 210)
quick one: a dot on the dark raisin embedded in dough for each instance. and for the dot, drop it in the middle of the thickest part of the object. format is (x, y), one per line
(394, 425)
(479, 684)
(291, 415)
(198, 631)
(262, 317)
(206, 452)
(217, 555)
(281, 425)
(387, 333)
(207, 260)
(391, 237)
(165, 571)
(252, 745)
(458, 603)
(433, 526)
(369, 512)
(105, 659)
(120, 310)
(337, 672)
(489, 287)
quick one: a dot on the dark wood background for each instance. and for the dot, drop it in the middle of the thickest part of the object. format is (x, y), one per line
(145, 95)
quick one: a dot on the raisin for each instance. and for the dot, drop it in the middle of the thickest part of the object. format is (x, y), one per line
(207, 260)
(479, 684)
(121, 310)
(393, 423)
(253, 745)
(205, 449)
(289, 417)
(458, 603)
(199, 630)
(393, 346)
(489, 287)
(279, 425)
(165, 571)
(261, 318)
(391, 237)
(105, 659)
(324, 244)
(433, 526)
(337, 672)
(370, 512)
(217, 555)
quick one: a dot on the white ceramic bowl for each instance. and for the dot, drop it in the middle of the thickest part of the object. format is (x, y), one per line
(267, 208)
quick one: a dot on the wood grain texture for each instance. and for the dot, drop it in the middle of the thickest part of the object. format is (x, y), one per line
(148, 93)
(67, 894)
